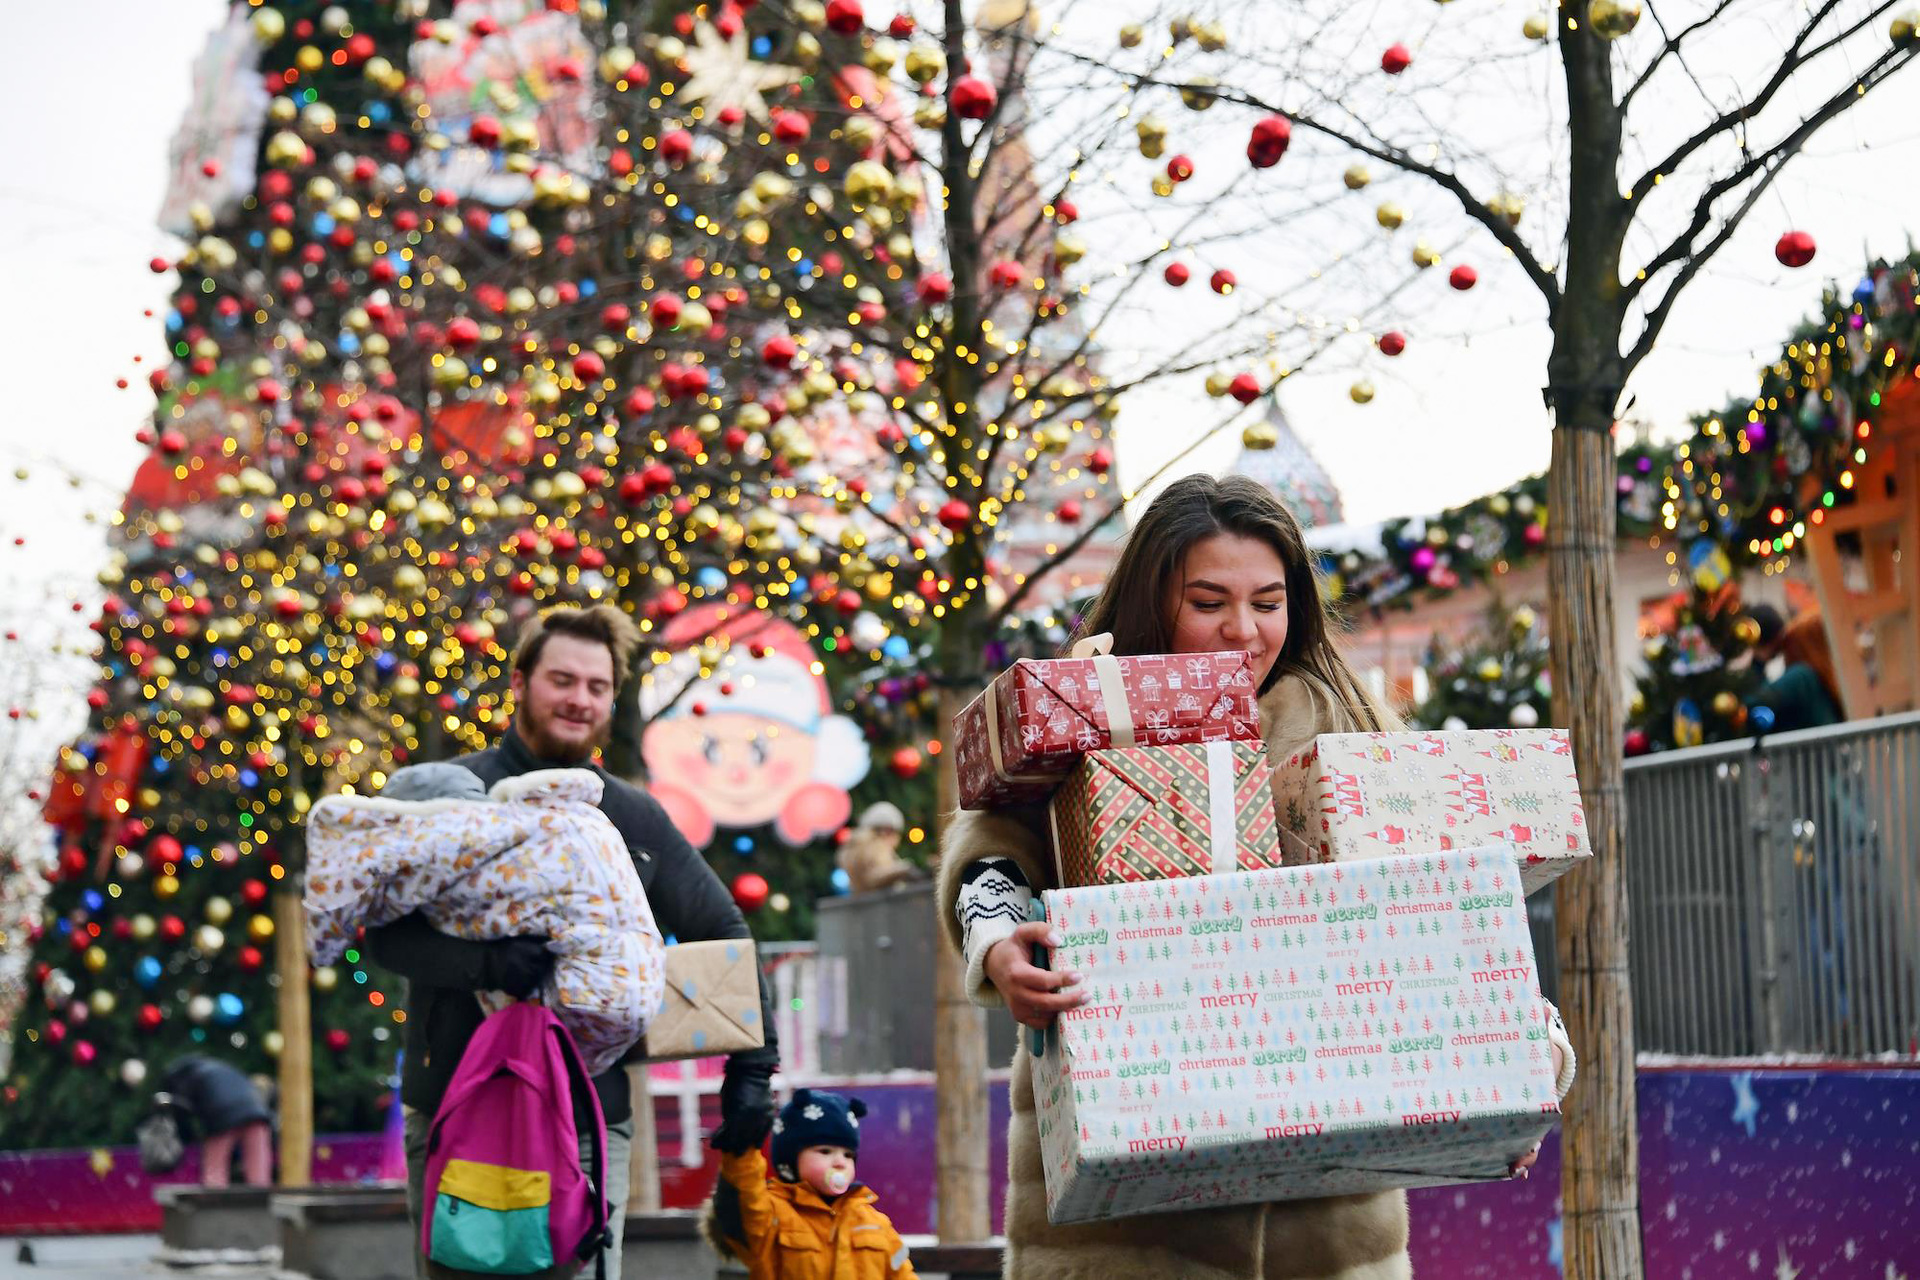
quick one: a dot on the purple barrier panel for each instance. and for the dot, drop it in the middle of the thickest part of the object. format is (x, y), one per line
(88, 1192)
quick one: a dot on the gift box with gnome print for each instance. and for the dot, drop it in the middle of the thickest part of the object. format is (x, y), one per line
(1347, 796)
(1293, 1033)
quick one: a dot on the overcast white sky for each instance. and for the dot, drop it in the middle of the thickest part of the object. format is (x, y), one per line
(94, 93)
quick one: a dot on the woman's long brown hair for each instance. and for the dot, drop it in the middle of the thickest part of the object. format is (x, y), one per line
(1136, 604)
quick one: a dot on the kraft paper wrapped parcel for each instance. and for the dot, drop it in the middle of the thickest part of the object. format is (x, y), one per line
(1293, 1033)
(1371, 795)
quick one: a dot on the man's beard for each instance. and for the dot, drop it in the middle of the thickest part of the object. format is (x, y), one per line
(533, 731)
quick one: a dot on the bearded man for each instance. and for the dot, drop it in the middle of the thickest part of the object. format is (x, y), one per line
(567, 670)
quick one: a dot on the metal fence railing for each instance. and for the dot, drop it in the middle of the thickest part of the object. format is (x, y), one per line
(1774, 894)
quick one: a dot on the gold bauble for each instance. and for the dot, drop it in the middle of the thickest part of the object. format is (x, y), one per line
(326, 978)
(260, 928)
(881, 57)
(1747, 631)
(1425, 255)
(286, 150)
(1218, 383)
(924, 63)
(1637, 704)
(1356, 176)
(273, 1042)
(309, 59)
(209, 939)
(1536, 27)
(268, 25)
(1199, 93)
(143, 927)
(1360, 392)
(867, 182)
(1613, 18)
(1131, 35)
(1162, 185)
(1489, 670)
(1726, 703)
(95, 958)
(1068, 250)
(165, 887)
(616, 62)
(1390, 216)
(101, 1002)
(219, 910)
(1260, 435)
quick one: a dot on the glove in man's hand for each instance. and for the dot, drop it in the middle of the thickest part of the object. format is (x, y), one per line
(518, 966)
(746, 1107)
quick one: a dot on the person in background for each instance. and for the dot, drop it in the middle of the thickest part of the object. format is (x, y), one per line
(230, 1112)
(1806, 695)
(870, 855)
(811, 1220)
(567, 669)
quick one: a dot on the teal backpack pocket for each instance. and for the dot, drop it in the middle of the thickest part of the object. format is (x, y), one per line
(492, 1219)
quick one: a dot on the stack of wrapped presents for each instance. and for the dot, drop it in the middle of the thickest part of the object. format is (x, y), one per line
(1332, 994)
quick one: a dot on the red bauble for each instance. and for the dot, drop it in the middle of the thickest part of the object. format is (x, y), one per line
(338, 1040)
(250, 959)
(149, 1018)
(665, 309)
(162, 849)
(906, 762)
(1068, 512)
(901, 27)
(1637, 742)
(463, 333)
(972, 98)
(1245, 388)
(1180, 168)
(1463, 277)
(1006, 274)
(484, 132)
(790, 127)
(641, 402)
(1396, 59)
(676, 146)
(84, 1053)
(845, 17)
(1392, 342)
(253, 892)
(1100, 461)
(1268, 141)
(1534, 535)
(779, 350)
(173, 928)
(934, 287)
(589, 367)
(955, 514)
(56, 1031)
(1794, 249)
(1177, 274)
(1222, 281)
(750, 891)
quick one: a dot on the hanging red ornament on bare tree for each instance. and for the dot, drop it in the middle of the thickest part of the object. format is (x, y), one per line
(1794, 249)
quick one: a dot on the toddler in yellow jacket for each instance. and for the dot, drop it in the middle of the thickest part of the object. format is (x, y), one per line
(811, 1220)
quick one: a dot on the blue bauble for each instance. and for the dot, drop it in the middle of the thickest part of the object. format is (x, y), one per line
(227, 1008)
(840, 882)
(896, 647)
(147, 972)
(1760, 719)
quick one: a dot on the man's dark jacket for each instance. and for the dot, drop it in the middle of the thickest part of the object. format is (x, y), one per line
(689, 904)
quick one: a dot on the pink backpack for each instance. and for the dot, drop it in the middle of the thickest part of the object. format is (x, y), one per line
(505, 1193)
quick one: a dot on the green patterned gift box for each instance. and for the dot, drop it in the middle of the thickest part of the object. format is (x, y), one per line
(1153, 813)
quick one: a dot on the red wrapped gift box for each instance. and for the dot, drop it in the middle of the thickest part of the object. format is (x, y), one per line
(1016, 742)
(1157, 813)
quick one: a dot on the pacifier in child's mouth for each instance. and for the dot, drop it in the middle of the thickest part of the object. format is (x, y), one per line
(838, 1180)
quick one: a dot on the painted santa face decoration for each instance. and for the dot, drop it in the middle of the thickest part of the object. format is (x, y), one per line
(1231, 594)
(743, 766)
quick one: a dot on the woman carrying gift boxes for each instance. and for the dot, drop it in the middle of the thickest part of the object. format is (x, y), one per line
(1219, 640)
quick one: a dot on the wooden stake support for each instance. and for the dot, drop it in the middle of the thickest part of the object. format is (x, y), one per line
(296, 1032)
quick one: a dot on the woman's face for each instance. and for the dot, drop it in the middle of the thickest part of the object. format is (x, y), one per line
(1232, 594)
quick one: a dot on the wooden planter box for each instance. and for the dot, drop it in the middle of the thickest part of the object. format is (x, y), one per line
(206, 1225)
(345, 1233)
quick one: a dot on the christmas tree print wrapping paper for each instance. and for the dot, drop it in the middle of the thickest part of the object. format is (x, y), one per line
(1350, 796)
(1293, 1033)
(1015, 742)
(1148, 813)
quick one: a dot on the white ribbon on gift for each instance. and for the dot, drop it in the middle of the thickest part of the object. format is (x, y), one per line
(1113, 696)
(1222, 812)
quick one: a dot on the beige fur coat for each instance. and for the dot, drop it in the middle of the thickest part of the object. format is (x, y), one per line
(1347, 1238)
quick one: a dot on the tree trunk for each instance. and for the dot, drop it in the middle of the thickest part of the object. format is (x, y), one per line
(960, 1061)
(1600, 1151)
(296, 1032)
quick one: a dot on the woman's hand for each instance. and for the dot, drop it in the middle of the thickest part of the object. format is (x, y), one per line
(1034, 996)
